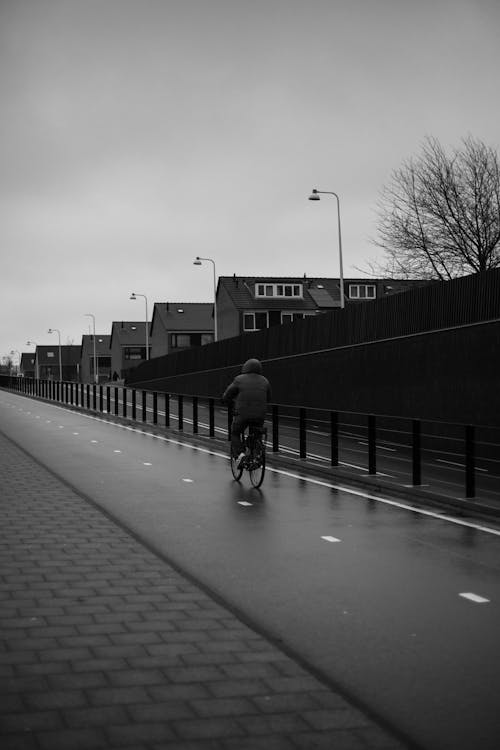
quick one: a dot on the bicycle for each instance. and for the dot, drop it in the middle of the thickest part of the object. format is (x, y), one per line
(254, 445)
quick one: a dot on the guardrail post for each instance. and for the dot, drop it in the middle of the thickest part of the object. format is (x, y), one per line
(180, 411)
(275, 423)
(124, 405)
(302, 432)
(134, 404)
(470, 478)
(372, 444)
(334, 438)
(416, 452)
(155, 407)
(167, 409)
(144, 397)
(195, 415)
(211, 417)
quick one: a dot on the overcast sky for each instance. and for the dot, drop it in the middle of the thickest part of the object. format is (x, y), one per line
(137, 134)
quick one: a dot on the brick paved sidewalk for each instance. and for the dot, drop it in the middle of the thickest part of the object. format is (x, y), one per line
(104, 645)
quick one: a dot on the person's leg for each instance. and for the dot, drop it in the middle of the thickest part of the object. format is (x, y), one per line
(237, 428)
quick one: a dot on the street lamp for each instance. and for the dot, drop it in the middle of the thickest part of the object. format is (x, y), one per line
(315, 197)
(198, 262)
(56, 330)
(96, 376)
(33, 343)
(134, 296)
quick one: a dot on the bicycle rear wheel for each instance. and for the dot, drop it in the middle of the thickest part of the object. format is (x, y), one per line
(258, 467)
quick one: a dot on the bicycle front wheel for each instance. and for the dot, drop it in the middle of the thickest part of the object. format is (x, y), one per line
(236, 472)
(257, 470)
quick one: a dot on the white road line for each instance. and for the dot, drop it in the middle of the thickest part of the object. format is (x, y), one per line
(475, 598)
(94, 441)
(379, 447)
(146, 463)
(244, 502)
(330, 539)
(76, 433)
(116, 451)
(455, 463)
(185, 479)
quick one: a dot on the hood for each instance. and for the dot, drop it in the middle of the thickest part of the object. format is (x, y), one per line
(252, 365)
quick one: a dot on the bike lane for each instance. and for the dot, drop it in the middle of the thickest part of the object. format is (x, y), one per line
(367, 593)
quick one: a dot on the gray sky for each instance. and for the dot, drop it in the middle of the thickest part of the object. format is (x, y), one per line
(137, 134)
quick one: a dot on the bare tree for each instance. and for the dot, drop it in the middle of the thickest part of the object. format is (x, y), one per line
(439, 217)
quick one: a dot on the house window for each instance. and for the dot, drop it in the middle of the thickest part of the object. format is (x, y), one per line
(286, 317)
(362, 291)
(50, 354)
(180, 340)
(255, 321)
(206, 338)
(134, 352)
(278, 290)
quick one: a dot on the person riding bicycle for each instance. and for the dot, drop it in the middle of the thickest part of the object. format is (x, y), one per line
(251, 392)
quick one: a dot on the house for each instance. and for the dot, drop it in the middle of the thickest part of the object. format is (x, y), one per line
(27, 366)
(181, 325)
(253, 303)
(102, 355)
(127, 346)
(58, 362)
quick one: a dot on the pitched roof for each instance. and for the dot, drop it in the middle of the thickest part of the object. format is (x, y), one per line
(102, 343)
(129, 333)
(184, 316)
(70, 354)
(317, 292)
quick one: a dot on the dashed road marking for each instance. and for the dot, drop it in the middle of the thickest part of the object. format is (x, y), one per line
(116, 451)
(147, 463)
(94, 441)
(474, 598)
(185, 479)
(76, 433)
(244, 502)
(330, 539)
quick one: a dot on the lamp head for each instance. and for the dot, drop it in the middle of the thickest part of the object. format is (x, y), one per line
(132, 296)
(197, 262)
(50, 330)
(314, 196)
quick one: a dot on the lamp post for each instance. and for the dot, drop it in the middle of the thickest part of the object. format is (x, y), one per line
(198, 262)
(315, 197)
(56, 330)
(134, 296)
(33, 343)
(96, 375)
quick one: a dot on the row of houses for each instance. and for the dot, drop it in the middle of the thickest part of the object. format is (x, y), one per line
(242, 305)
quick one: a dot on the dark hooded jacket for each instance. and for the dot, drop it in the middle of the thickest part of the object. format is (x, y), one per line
(250, 390)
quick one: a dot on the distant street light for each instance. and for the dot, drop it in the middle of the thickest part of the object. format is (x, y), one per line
(96, 375)
(56, 330)
(33, 343)
(198, 262)
(134, 296)
(315, 197)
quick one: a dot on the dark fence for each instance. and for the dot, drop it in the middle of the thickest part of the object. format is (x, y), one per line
(451, 304)
(422, 441)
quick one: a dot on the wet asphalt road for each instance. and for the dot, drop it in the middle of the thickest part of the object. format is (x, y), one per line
(367, 593)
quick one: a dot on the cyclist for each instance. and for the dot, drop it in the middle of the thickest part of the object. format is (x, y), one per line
(251, 392)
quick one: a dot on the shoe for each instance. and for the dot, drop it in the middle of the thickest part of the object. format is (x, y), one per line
(240, 460)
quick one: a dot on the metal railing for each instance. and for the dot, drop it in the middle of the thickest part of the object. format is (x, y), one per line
(300, 423)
